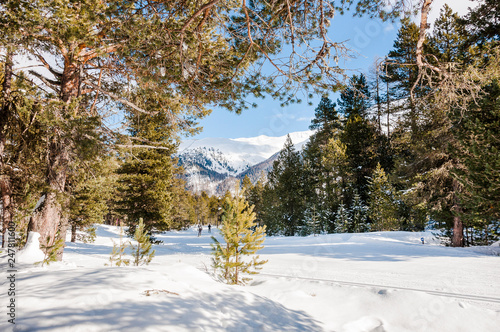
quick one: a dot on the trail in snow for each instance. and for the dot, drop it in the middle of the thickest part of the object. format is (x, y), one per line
(348, 283)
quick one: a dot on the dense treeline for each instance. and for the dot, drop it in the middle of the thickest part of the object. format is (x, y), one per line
(401, 151)
(92, 137)
(89, 127)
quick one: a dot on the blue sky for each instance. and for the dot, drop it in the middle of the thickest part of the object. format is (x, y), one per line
(370, 38)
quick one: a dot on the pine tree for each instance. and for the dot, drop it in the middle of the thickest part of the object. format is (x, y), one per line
(326, 120)
(448, 37)
(146, 181)
(402, 72)
(359, 215)
(94, 62)
(320, 186)
(118, 252)
(255, 197)
(343, 221)
(242, 238)
(355, 98)
(285, 183)
(314, 222)
(141, 251)
(362, 146)
(382, 203)
(91, 191)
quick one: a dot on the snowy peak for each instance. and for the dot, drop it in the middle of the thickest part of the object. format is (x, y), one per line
(209, 161)
(240, 153)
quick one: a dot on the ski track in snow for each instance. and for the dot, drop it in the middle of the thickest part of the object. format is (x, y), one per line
(348, 283)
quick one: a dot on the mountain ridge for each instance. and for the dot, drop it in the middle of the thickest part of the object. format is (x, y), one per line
(214, 165)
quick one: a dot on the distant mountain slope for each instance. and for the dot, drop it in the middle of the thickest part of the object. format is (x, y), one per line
(214, 164)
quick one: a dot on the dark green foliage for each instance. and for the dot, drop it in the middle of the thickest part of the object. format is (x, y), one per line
(147, 178)
(355, 98)
(359, 215)
(285, 190)
(343, 221)
(483, 23)
(360, 139)
(481, 155)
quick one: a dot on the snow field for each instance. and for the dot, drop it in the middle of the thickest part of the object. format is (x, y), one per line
(300, 288)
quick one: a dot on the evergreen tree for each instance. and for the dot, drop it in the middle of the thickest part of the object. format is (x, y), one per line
(382, 203)
(483, 24)
(94, 62)
(449, 37)
(255, 197)
(91, 189)
(343, 221)
(337, 185)
(326, 120)
(361, 142)
(242, 238)
(313, 221)
(318, 184)
(359, 216)
(141, 251)
(402, 72)
(146, 180)
(355, 98)
(118, 252)
(479, 138)
(285, 183)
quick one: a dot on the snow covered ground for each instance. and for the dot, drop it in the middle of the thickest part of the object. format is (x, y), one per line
(341, 282)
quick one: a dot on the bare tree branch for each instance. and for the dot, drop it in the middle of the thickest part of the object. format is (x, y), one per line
(118, 98)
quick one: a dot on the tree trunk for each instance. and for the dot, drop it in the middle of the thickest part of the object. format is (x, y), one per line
(6, 211)
(458, 232)
(49, 219)
(5, 114)
(73, 233)
(458, 225)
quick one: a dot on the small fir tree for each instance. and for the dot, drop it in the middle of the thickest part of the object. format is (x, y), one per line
(314, 221)
(51, 251)
(142, 251)
(383, 207)
(343, 221)
(359, 215)
(243, 237)
(119, 251)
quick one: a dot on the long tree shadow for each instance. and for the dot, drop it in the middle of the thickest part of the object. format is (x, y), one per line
(229, 310)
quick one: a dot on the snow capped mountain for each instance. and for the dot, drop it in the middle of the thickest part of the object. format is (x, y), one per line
(214, 164)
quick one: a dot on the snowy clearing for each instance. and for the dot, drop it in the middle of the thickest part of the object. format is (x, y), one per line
(370, 282)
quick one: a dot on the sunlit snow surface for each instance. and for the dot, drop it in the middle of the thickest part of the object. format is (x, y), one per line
(340, 282)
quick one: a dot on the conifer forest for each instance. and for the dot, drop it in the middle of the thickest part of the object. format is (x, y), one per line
(91, 135)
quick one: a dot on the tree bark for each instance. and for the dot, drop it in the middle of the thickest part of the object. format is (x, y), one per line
(73, 233)
(457, 239)
(6, 206)
(458, 232)
(5, 115)
(49, 220)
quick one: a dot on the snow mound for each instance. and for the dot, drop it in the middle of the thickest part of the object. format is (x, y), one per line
(365, 324)
(31, 252)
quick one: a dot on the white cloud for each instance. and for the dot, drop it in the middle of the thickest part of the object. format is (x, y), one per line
(305, 119)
